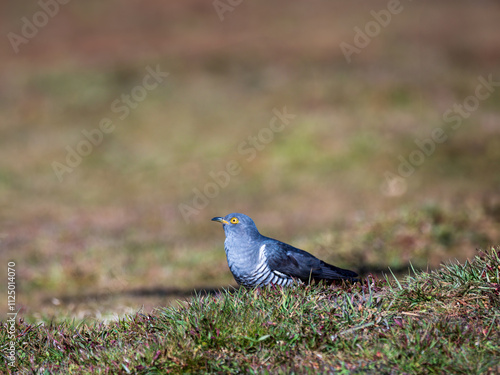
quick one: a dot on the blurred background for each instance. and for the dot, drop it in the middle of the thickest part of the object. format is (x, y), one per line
(119, 121)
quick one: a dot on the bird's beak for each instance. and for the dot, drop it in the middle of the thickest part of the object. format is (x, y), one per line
(220, 220)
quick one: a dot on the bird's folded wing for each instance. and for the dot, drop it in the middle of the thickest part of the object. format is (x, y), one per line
(298, 263)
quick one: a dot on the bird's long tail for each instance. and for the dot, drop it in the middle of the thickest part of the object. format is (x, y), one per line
(331, 272)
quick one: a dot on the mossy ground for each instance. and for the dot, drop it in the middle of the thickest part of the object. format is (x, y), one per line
(445, 321)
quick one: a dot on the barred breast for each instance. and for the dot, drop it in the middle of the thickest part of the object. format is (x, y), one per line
(259, 274)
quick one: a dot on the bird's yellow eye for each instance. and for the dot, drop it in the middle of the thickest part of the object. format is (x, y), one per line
(234, 220)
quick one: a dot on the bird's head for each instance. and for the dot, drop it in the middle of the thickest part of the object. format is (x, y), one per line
(237, 225)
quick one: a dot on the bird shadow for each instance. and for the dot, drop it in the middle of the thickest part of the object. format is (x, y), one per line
(185, 293)
(154, 292)
(401, 270)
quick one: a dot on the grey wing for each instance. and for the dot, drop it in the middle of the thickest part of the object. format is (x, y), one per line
(300, 264)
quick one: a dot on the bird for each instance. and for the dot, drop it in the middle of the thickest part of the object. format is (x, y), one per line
(256, 260)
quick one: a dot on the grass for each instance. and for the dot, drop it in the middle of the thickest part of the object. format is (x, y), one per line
(444, 321)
